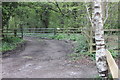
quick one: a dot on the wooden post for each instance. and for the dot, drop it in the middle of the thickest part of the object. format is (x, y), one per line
(54, 31)
(15, 32)
(2, 33)
(21, 29)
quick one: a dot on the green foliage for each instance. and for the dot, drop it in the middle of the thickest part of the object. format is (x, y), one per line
(60, 36)
(12, 22)
(6, 46)
(82, 45)
(8, 9)
(113, 16)
(50, 36)
(114, 53)
(9, 43)
(72, 37)
(12, 39)
(76, 56)
(54, 14)
(42, 14)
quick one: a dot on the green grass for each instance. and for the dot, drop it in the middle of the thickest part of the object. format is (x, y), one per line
(72, 37)
(81, 46)
(42, 35)
(9, 43)
(61, 36)
(114, 53)
(81, 42)
(74, 56)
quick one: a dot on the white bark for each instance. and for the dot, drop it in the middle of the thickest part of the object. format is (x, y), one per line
(89, 17)
(99, 38)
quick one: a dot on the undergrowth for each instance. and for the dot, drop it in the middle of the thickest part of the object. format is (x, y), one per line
(9, 43)
(81, 42)
(114, 53)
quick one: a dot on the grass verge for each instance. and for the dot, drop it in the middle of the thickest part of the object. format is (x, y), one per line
(9, 43)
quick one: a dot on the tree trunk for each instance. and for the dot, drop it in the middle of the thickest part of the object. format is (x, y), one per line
(99, 38)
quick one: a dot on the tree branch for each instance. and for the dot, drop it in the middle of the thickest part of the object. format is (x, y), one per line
(107, 9)
(88, 14)
(59, 9)
(53, 9)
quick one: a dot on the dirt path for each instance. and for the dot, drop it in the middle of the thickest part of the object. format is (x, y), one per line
(46, 59)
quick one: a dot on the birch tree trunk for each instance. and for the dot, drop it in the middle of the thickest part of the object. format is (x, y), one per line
(99, 38)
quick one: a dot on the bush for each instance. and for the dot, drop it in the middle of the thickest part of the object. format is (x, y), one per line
(82, 45)
(9, 43)
(81, 42)
(60, 36)
(7, 46)
(11, 39)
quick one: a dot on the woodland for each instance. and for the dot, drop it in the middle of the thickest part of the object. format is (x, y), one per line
(91, 27)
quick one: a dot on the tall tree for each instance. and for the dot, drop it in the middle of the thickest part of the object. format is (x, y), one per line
(99, 38)
(8, 9)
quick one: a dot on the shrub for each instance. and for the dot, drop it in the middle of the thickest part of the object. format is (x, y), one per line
(9, 43)
(60, 36)
(82, 45)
